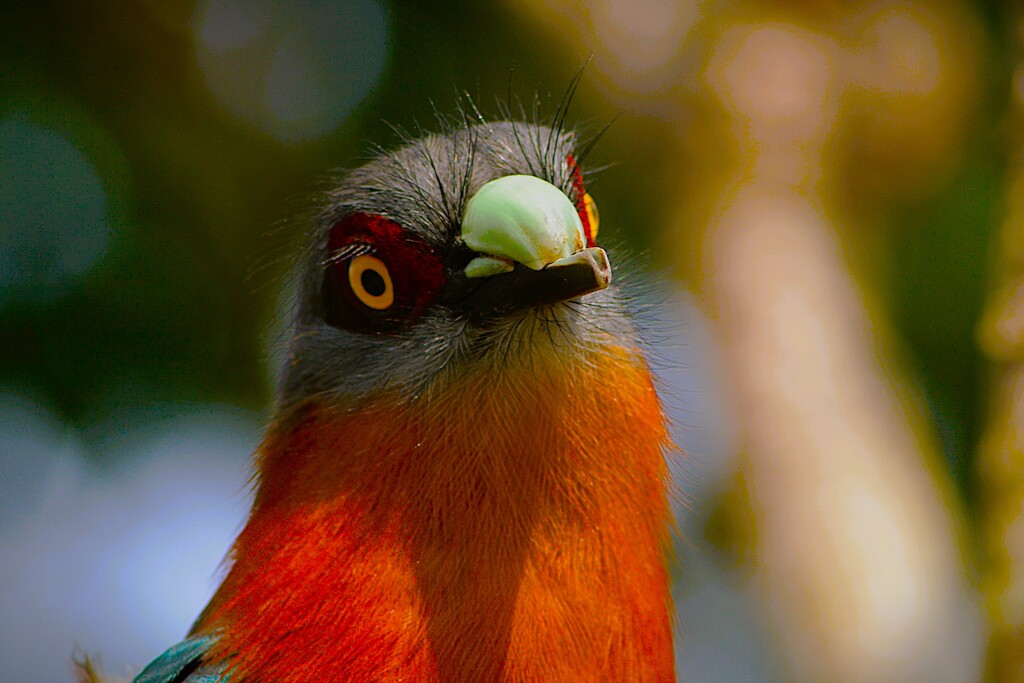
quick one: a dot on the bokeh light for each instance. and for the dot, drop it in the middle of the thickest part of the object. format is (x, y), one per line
(53, 209)
(296, 69)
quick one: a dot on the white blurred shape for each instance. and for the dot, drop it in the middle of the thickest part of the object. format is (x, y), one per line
(858, 558)
(776, 78)
(876, 526)
(53, 212)
(903, 52)
(642, 36)
(120, 562)
(293, 69)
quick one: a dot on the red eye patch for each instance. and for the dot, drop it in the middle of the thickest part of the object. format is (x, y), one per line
(378, 276)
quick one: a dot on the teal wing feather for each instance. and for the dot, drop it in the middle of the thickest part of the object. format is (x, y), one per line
(183, 663)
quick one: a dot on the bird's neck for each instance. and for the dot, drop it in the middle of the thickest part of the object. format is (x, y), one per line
(503, 528)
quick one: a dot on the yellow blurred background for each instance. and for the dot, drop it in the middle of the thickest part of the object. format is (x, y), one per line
(832, 194)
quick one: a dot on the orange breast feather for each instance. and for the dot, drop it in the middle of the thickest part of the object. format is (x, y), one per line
(504, 526)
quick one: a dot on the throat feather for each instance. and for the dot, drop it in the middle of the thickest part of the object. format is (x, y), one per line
(510, 530)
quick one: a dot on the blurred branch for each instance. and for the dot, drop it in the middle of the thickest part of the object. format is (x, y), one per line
(857, 545)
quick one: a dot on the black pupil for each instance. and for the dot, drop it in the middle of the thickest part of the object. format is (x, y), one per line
(372, 282)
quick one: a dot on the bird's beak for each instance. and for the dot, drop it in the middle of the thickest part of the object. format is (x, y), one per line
(530, 245)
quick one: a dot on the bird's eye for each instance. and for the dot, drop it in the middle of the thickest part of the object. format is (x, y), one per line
(371, 282)
(378, 277)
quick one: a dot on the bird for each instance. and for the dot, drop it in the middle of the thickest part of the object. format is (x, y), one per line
(465, 473)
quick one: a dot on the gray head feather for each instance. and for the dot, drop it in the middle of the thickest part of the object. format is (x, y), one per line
(424, 187)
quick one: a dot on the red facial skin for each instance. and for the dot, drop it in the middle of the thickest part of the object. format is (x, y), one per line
(416, 271)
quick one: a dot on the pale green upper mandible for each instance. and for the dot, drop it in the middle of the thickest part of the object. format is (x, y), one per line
(523, 219)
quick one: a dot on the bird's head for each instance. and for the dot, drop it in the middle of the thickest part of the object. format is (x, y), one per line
(471, 249)
(466, 468)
